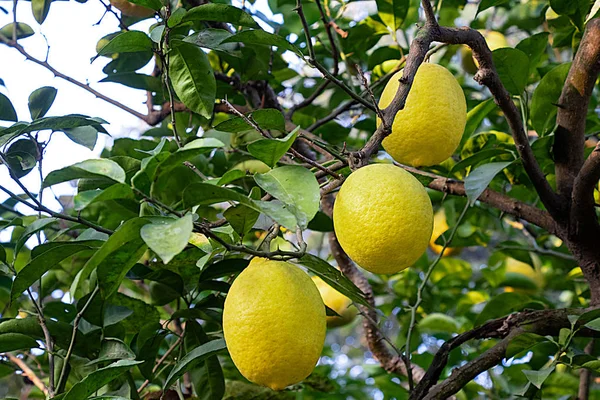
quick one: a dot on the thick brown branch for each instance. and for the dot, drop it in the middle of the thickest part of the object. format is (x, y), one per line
(569, 137)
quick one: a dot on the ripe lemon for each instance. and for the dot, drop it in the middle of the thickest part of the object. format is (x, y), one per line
(495, 40)
(429, 128)
(383, 218)
(440, 225)
(274, 323)
(522, 277)
(337, 302)
(132, 10)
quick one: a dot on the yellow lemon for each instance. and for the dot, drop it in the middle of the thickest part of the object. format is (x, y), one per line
(383, 218)
(429, 128)
(252, 167)
(274, 323)
(494, 40)
(524, 277)
(132, 10)
(337, 302)
(440, 225)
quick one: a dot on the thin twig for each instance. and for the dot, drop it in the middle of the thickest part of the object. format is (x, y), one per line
(160, 361)
(29, 373)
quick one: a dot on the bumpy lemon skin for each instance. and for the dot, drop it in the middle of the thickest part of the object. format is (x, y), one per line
(429, 128)
(337, 302)
(274, 323)
(131, 9)
(383, 218)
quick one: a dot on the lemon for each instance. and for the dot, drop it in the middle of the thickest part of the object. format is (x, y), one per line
(383, 218)
(440, 225)
(429, 128)
(495, 40)
(252, 167)
(132, 10)
(274, 323)
(524, 275)
(337, 302)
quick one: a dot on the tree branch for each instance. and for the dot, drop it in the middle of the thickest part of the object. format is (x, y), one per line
(569, 137)
(28, 372)
(585, 376)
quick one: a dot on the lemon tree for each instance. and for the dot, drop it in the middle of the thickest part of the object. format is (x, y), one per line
(299, 199)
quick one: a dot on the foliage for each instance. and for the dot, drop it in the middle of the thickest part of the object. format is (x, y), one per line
(123, 289)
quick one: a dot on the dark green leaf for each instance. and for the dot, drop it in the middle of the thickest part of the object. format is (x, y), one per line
(223, 268)
(16, 341)
(545, 97)
(513, 68)
(126, 42)
(502, 305)
(207, 377)
(136, 80)
(241, 218)
(7, 111)
(22, 156)
(479, 179)
(176, 17)
(192, 77)
(266, 118)
(485, 4)
(43, 263)
(221, 13)
(475, 117)
(333, 278)
(153, 4)
(524, 341)
(213, 39)
(94, 381)
(256, 36)
(537, 378)
(113, 192)
(99, 168)
(270, 151)
(296, 187)
(321, 223)
(534, 47)
(168, 239)
(83, 135)
(194, 358)
(115, 314)
(36, 226)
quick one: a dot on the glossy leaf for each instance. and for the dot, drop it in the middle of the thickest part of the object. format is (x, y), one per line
(83, 135)
(16, 341)
(168, 239)
(256, 36)
(94, 381)
(393, 13)
(22, 156)
(545, 97)
(194, 358)
(207, 377)
(99, 168)
(270, 151)
(126, 42)
(113, 192)
(266, 118)
(296, 187)
(502, 305)
(485, 4)
(192, 77)
(221, 13)
(7, 111)
(23, 30)
(479, 179)
(537, 378)
(513, 68)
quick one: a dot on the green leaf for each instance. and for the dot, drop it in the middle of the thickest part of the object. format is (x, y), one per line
(321, 223)
(439, 323)
(213, 39)
(524, 341)
(168, 239)
(16, 341)
(221, 13)
(42, 263)
(98, 168)
(485, 4)
(23, 30)
(534, 47)
(241, 218)
(513, 68)
(36, 226)
(113, 192)
(83, 135)
(194, 358)
(393, 13)
(7, 111)
(260, 37)
(537, 378)
(192, 77)
(270, 151)
(205, 194)
(267, 118)
(187, 153)
(112, 349)
(176, 17)
(475, 117)
(207, 377)
(223, 268)
(97, 379)
(126, 42)
(136, 80)
(545, 97)
(502, 305)
(479, 179)
(113, 259)
(333, 278)
(153, 4)
(296, 187)
(22, 156)
(40, 9)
